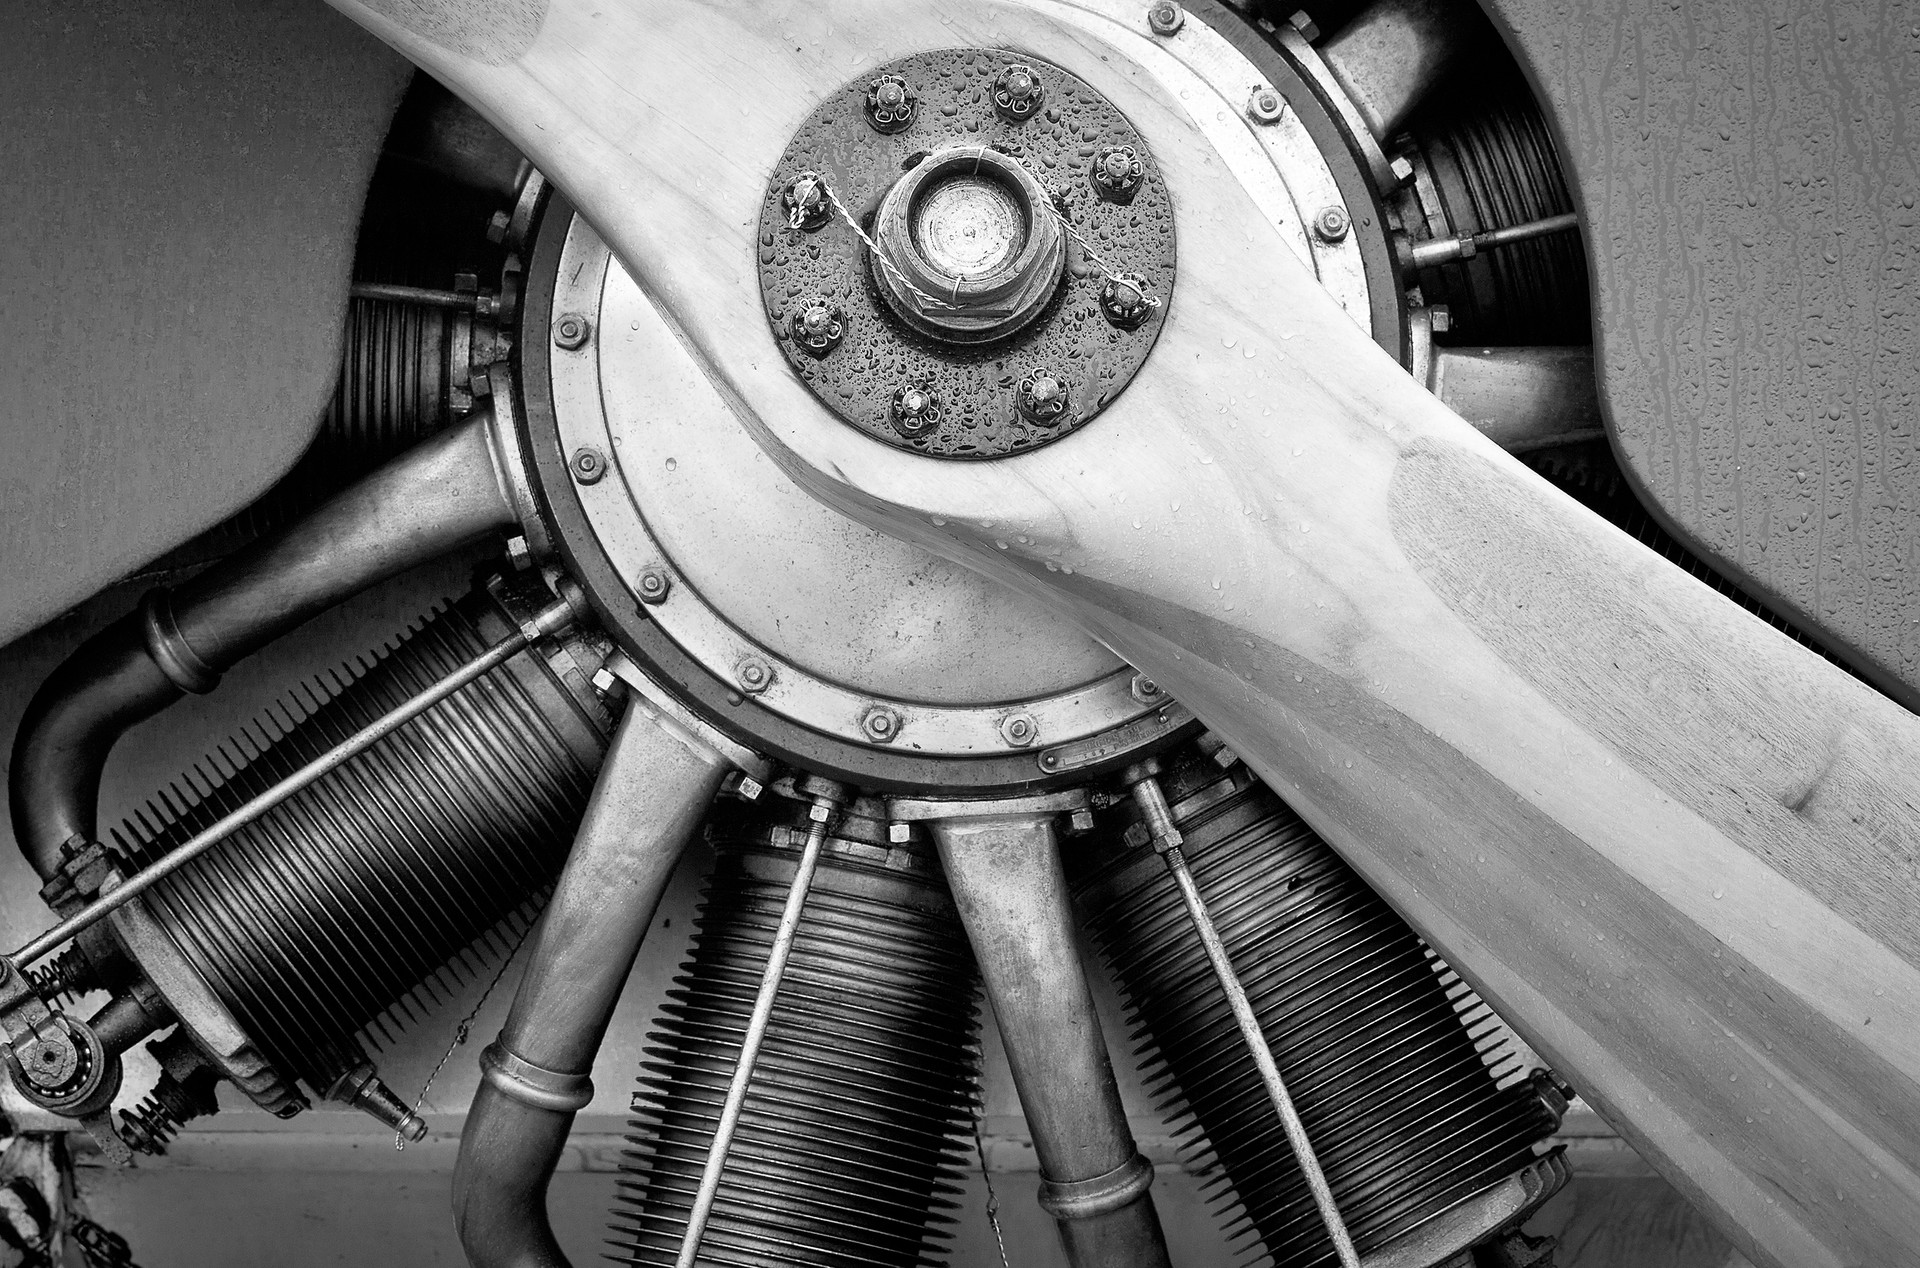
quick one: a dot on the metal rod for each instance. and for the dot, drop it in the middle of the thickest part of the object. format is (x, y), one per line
(1426, 255)
(415, 295)
(1166, 839)
(756, 1035)
(556, 616)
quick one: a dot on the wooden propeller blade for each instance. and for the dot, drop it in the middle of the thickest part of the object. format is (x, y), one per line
(1677, 851)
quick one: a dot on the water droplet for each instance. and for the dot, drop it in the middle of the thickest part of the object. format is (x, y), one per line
(1227, 343)
(673, 464)
(938, 522)
(1001, 545)
(1719, 893)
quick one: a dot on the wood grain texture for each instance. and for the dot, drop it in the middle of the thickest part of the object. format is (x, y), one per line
(1670, 845)
(1747, 174)
(185, 183)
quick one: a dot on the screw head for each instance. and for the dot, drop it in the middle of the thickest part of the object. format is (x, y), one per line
(654, 585)
(1164, 17)
(1264, 105)
(1019, 729)
(753, 674)
(1117, 173)
(1332, 224)
(588, 464)
(1146, 690)
(891, 105)
(1127, 300)
(916, 410)
(570, 331)
(806, 203)
(1017, 93)
(880, 724)
(1041, 398)
(818, 325)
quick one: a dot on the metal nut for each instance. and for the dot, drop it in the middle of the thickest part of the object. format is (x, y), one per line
(604, 681)
(818, 325)
(891, 105)
(1146, 690)
(753, 674)
(1080, 820)
(899, 833)
(1117, 173)
(916, 410)
(588, 464)
(1442, 318)
(1402, 169)
(806, 202)
(1019, 729)
(1164, 17)
(1264, 105)
(1041, 398)
(1308, 28)
(1127, 301)
(1017, 93)
(655, 584)
(570, 331)
(880, 724)
(519, 554)
(1332, 223)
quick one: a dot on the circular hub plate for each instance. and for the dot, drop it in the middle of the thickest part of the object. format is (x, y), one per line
(975, 384)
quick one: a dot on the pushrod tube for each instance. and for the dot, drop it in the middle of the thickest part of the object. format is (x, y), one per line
(652, 795)
(446, 492)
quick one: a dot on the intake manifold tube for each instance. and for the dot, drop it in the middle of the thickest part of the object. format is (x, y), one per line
(444, 493)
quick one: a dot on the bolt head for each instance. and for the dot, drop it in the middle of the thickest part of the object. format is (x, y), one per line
(1264, 105)
(899, 833)
(1146, 690)
(916, 410)
(818, 326)
(497, 226)
(1164, 17)
(1442, 318)
(891, 105)
(1332, 224)
(880, 724)
(1127, 301)
(588, 465)
(1041, 397)
(1402, 169)
(753, 674)
(806, 203)
(570, 331)
(654, 585)
(604, 681)
(519, 554)
(1017, 93)
(1019, 729)
(1308, 28)
(750, 788)
(1117, 173)
(1080, 820)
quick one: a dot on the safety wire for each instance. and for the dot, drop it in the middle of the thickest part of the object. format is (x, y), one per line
(797, 217)
(986, 1175)
(464, 1031)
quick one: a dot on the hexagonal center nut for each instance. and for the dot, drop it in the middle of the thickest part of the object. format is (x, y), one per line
(975, 248)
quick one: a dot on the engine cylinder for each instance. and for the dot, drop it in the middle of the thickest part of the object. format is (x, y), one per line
(854, 1129)
(1393, 1064)
(331, 908)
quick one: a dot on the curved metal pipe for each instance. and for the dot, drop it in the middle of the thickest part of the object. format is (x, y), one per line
(660, 776)
(446, 492)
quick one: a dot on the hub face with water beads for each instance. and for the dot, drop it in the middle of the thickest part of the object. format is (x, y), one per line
(967, 250)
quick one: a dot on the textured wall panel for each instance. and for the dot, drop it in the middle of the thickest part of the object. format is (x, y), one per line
(1747, 173)
(184, 183)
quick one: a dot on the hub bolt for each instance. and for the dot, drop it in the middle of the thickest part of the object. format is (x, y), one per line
(818, 325)
(1017, 93)
(806, 203)
(1117, 173)
(1332, 224)
(570, 331)
(916, 410)
(1264, 105)
(1165, 17)
(588, 464)
(881, 724)
(1019, 729)
(753, 674)
(1146, 690)
(891, 105)
(655, 584)
(1041, 398)
(1127, 301)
